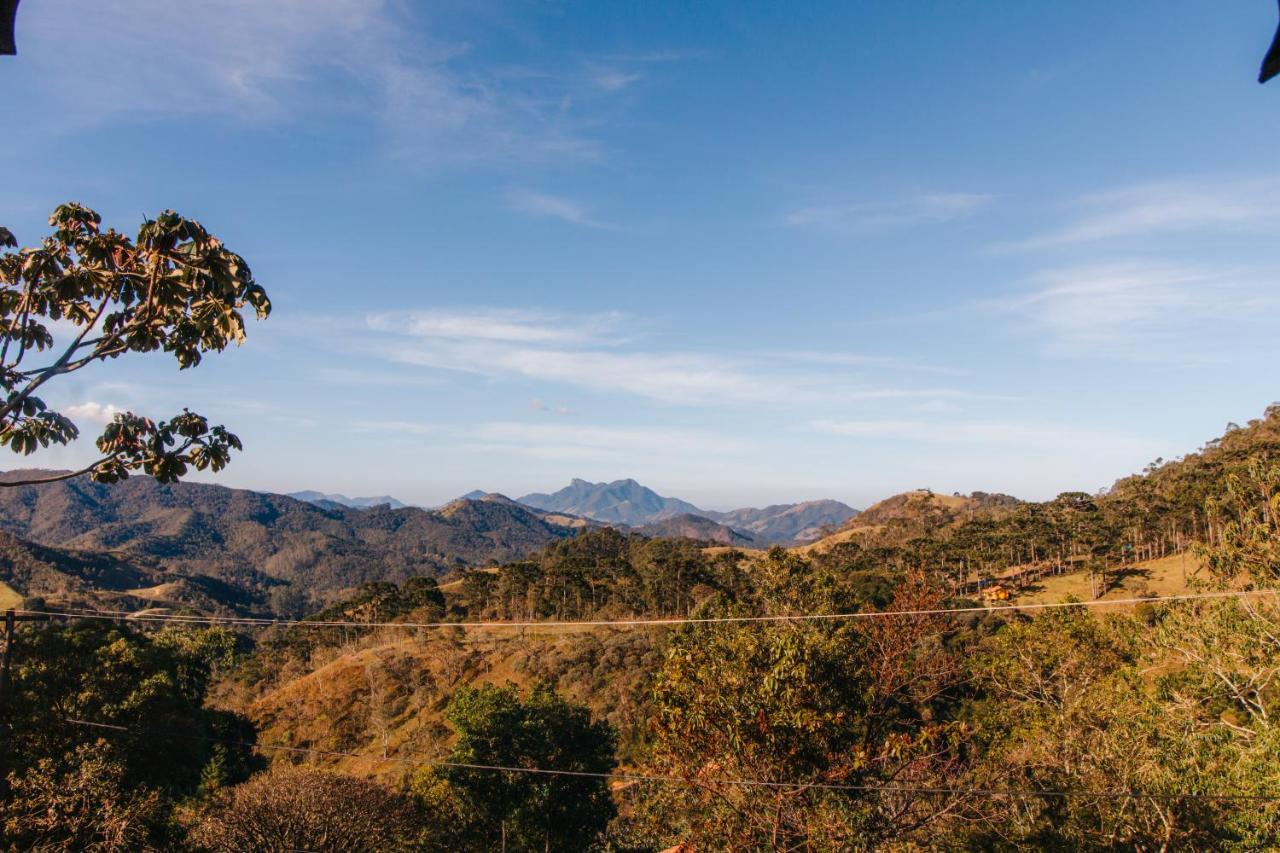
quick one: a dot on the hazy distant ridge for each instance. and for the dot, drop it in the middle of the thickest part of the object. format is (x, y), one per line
(620, 502)
(325, 500)
(255, 540)
(628, 502)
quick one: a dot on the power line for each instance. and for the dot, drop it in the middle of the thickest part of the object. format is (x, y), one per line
(250, 621)
(1024, 793)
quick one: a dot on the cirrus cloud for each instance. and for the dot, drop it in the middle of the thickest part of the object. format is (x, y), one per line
(375, 62)
(560, 441)
(596, 352)
(867, 217)
(1142, 309)
(1174, 206)
(1035, 435)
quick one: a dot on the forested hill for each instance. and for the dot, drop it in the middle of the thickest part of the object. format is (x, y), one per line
(781, 524)
(258, 545)
(1157, 511)
(1181, 491)
(257, 541)
(1147, 701)
(32, 575)
(697, 527)
(1143, 703)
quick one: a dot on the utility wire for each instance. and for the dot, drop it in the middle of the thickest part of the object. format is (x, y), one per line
(250, 621)
(743, 783)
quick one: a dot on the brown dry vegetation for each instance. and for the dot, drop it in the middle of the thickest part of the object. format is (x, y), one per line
(1166, 576)
(911, 512)
(383, 693)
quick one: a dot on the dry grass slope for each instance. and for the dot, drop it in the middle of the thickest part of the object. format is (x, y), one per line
(1166, 576)
(385, 694)
(9, 597)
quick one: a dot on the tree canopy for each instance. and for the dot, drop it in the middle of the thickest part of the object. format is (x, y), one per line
(496, 726)
(91, 295)
(106, 728)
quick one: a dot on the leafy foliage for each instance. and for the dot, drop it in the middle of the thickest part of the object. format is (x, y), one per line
(796, 705)
(1248, 520)
(151, 742)
(151, 686)
(1101, 731)
(380, 601)
(520, 811)
(598, 572)
(174, 288)
(81, 803)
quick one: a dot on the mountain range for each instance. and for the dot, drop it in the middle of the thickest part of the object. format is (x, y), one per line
(328, 500)
(628, 502)
(140, 543)
(630, 505)
(257, 542)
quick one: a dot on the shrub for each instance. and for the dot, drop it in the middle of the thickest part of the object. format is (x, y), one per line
(81, 803)
(295, 809)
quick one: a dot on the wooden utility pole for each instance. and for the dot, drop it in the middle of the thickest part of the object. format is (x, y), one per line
(9, 636)
(8, 22)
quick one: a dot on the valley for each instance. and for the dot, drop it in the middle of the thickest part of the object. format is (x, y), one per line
(638, 428)
(369, 683)
(281, 554)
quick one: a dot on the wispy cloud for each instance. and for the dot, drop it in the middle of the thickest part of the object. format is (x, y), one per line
(1139, 309)
(994, 433)
(286, 59)
(593, 352)
(394, 426)
(562, 441)
(554, 207)
(501, 324)
(684, 378)
(876, 362)
(536, 405)
(614, 79)
(351, 376)
(1165, 207)
(865, 217)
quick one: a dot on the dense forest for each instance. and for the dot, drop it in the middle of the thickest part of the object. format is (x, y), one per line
(381, 722)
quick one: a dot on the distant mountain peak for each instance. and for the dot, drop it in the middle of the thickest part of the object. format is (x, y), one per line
(627, 502)
(619, 502)
(322, 499)
(499, 498)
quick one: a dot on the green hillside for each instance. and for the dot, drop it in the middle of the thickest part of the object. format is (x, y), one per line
(1120, 726)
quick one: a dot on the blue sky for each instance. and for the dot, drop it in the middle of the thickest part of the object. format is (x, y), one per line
(743, 252)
